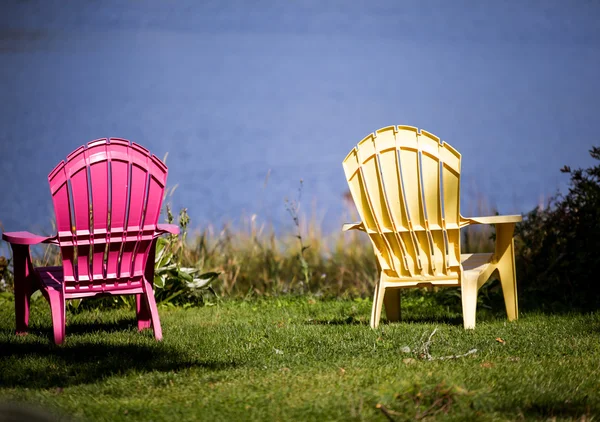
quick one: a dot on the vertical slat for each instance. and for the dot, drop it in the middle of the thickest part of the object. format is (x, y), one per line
(451, 178)
(385, 145)
(408, 152)
(139, 180)
(140, 256)
(375, 196)
(60, 198)
(429, 146)
(139, 177)
(409, 236)
(367, 162)
(98, 159)
(156, 186)
(351, 169)
(157, 183)
(393, 241)
(425, 235)
(451, 186)
(356, 184)
(443, 217)
(76, 168)
(119, 190)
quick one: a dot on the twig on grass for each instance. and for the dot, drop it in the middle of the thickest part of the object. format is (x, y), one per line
(385, 411)
(442, 404)
(424, 350)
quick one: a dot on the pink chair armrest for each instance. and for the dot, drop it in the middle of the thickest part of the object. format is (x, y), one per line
(167, 228)
(26, 238)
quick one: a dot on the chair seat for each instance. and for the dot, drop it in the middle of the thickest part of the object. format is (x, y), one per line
(51, 277)
(475, 262)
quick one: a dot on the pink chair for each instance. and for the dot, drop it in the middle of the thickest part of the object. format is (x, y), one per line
(107, 198)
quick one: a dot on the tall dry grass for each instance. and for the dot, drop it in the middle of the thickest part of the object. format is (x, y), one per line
(478, 238)
(254, 259)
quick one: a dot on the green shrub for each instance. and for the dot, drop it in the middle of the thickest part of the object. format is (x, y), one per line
(174, 284)
(558, 247)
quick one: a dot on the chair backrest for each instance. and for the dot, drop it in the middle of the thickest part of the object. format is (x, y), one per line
(405, 185)
(107, 198)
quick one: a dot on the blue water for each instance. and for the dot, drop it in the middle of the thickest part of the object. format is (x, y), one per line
(248, 98)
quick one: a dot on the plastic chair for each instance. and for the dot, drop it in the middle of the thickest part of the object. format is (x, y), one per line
(107, 199)
(406, 187)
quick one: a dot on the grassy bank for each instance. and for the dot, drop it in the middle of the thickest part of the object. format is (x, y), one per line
(255, 260)
(305, 359)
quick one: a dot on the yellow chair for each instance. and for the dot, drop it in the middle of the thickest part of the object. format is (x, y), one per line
(406, 186)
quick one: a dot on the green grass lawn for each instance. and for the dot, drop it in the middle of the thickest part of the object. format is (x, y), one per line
(304, 359)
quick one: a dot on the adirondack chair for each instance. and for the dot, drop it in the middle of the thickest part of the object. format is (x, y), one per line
(406, 186)
(107, 199)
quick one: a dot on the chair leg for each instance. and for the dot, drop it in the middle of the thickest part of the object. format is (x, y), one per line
(392, 303)
(23, 285)
(151, 303)
(469, 301)
(377, 303)
(57, 307)
(506, 268)
(22, 296)
(144, 317)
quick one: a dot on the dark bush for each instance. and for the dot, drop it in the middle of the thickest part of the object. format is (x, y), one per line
(558, 247)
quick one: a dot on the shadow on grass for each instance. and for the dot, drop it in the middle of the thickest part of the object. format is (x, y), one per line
(96, 327)
(126, 324)
(430, 319)
(411, 319)
(36, 363)
(19, 411)
(337, 321)
(579, 409)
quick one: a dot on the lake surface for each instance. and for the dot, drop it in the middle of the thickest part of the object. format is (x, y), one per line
(247, 98)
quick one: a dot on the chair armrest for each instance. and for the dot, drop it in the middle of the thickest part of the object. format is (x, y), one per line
(494, 219)
(167, 228)
(26, 238)
(353, 226)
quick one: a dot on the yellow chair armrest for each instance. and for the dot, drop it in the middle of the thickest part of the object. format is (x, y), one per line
(494, 219)
(353, 226)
